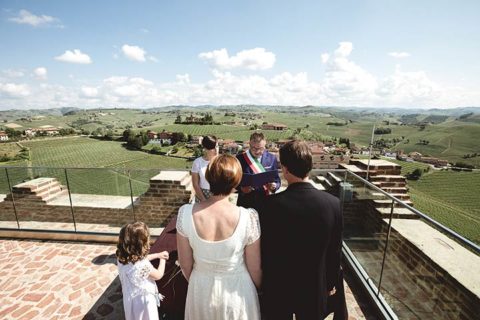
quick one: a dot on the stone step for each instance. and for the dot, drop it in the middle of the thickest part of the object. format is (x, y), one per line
(334, 178)
(55, 195)
(35, 184)
(382, 184)
(389, 178)
(32, 197)
(398, 212)
(382, 203)
(395, 190)
(324, 181)
(400, 196)
(48, 191)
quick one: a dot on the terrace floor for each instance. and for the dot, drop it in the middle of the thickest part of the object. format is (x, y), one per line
(66, 280)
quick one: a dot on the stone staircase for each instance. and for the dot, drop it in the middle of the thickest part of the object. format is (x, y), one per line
(40, 190)
(383, 174)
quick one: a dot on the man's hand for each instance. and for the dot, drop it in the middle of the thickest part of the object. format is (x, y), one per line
(272, 186)
(331, 293)
(246, 189)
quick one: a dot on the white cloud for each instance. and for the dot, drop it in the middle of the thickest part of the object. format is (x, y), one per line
(134, 53)
(408, 88)
(325, 57)
(183, 78)
(144, 30)
(152, 58)
(11, 73)
(399, 55)
(253, 59)
(344, 49)
(26, 17)
(13, 90)
(345, 80)
(40, 73)
(89, 92)
(75, 56)
(345, 83)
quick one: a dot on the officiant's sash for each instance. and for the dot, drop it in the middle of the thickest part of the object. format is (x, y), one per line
(256, 166)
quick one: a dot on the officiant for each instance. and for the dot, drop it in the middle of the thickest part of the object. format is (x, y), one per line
(257, 160)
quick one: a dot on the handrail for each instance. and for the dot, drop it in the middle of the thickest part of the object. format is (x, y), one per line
(94, 168)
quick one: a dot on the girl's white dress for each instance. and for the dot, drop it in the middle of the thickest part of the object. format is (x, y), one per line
(220, 286)
(140, 294)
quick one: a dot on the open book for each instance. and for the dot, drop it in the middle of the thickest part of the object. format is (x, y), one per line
(258, 179)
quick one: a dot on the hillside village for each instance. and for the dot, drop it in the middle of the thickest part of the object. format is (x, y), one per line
(329, 150)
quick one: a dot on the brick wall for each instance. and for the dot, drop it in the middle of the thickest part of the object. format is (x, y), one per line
(167, 192)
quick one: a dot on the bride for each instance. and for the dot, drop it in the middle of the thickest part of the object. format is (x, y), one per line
(219, 250)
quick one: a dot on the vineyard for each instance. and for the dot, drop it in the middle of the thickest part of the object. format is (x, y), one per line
(451, 198)
(78, 153)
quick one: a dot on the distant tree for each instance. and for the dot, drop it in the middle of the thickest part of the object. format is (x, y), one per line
(345, 141)
(383, 131)
(138, 142)
(464, 165)
(178, 137)
(127, 134)
(415, 175)
(178, 119)
(108, 135)
(197, 152)
(66, 131)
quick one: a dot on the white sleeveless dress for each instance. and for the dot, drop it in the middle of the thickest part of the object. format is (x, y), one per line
(220, 286)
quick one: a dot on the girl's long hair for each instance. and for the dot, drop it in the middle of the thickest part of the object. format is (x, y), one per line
(133, 242)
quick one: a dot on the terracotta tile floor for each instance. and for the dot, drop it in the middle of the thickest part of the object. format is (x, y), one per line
(65, 280)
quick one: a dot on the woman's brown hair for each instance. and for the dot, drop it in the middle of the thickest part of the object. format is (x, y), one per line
(224, 173)
(209, 142)
(133, 242)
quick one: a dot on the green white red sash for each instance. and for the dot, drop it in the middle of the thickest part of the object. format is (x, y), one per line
(255, 165)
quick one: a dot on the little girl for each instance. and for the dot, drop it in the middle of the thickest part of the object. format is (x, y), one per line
(137, 274)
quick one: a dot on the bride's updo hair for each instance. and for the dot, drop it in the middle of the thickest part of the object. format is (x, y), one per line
(224, 174)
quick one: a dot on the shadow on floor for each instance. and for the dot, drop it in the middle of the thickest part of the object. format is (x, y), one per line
(110, 303)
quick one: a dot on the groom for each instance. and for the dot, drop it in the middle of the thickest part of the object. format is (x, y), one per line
(301, 242)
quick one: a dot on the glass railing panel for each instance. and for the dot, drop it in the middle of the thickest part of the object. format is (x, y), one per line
(7, 210)
(100, 198)
(35, 191)
(427, 274)
(363, 231)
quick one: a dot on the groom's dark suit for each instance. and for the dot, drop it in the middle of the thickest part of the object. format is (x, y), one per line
(301, 250)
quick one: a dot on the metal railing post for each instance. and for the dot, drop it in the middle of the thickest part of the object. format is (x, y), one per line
(131, 195)
(70, 198)
(13, 198)
(386, 246)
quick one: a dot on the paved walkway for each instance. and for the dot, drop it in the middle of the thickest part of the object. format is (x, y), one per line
(65, 280)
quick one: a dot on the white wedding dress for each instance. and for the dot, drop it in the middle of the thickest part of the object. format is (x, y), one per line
(220, 286)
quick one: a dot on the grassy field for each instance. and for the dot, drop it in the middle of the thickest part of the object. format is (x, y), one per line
(81, 152)
(9, 149)
(451, 198)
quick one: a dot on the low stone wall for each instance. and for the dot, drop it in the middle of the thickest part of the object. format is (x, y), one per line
(168, 191)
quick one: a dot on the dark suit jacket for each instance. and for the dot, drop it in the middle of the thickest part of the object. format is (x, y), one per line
(301, 251)
(256, 197)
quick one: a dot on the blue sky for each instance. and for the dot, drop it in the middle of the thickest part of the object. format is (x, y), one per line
(383, 53)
